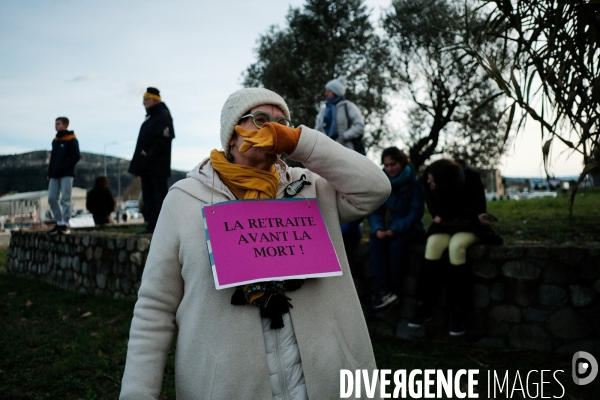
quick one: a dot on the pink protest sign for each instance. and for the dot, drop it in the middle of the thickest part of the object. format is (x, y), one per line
(265, 240)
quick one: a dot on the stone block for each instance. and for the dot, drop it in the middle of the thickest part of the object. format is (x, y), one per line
(521, 270)
(476, 251)
(569, 255)
(381, 329)
(117, 268)
(64, 262)
(505, 313)
(105, 268)
(591, 346)
(87, 282)
(120, 243)
(77, 239)
(484, 269)
(522, 292)
(110, 243)
(131, 243)
(593, 316)
(125, 285)
(495, 328)
(531, 337)
(136, 258)
(590, 268)
(581, 296)
(143, 244)
(98, 253)
(85, 241)
(78, 279)
(568, 324)
(111, 283)
(553, 296)
(122, 256)
(557, 272)
(505, 252)
(94, 241)
(407, 310)
(75, 263)
(481, 296)
(89, 253)
(409, 286)
(101, 281)
(535, 314)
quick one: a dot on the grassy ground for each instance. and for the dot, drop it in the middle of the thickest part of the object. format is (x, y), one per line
(57, 344)
(544, 219)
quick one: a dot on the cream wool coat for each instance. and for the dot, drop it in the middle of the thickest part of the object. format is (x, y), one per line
(220, 348)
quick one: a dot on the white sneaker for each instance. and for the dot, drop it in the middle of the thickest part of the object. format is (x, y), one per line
(385, 300)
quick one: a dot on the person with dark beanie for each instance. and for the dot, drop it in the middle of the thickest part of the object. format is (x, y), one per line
(100, 201)
(152, 157)
(456, 200)
(61, 173)
(394, 226)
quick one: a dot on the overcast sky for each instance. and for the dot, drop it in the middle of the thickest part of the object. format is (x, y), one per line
(92, 61)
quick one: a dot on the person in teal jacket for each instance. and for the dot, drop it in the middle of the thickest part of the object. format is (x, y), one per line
(395, 225)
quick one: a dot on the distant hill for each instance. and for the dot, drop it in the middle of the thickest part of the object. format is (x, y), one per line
(27, 172)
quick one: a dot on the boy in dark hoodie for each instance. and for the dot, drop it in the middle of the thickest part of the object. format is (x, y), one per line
(61, 172)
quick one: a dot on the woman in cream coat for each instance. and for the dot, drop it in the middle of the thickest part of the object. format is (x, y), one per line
(226, 351)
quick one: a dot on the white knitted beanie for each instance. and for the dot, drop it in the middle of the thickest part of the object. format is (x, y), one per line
(241, 102)
(337, 86)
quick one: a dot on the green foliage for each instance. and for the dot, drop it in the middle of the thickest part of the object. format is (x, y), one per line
(323, 40)
(548, 67)
(447, 87)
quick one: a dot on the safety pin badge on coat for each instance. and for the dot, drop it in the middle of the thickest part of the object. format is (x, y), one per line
(295, 187)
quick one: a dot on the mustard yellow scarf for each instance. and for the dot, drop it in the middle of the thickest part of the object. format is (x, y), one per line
(245, 182)
(252, 183)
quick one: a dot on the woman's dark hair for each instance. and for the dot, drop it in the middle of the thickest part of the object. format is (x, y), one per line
(101, 182)
(446, 173)
(396, 154)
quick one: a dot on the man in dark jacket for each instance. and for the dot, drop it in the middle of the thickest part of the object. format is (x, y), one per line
(61, 171)
(152, 158)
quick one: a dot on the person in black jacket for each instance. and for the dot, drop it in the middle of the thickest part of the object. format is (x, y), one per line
(100, 201)
(61, 172)
(152, 158)
(456, 200)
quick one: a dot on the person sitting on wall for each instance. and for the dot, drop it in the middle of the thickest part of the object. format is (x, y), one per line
(456, 200)
(394, 226)
(100, 201)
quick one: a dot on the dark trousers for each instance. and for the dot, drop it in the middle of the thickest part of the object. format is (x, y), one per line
(154, 191)
(436, 273)
(388, 257)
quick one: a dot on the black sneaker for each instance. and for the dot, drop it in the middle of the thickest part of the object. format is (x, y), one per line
(54, 231)
(423, 314)
(64, 230)
(384, 300)
(457, 323)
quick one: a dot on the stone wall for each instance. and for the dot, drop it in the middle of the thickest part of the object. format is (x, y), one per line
(109, 264)
(532, 296)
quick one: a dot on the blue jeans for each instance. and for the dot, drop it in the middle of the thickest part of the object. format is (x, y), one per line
(60, 187)
(388, 257)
